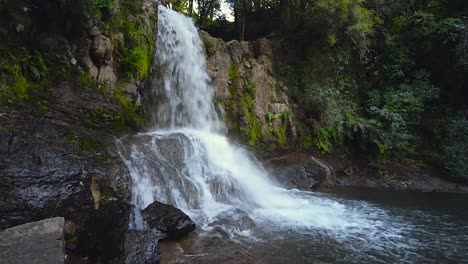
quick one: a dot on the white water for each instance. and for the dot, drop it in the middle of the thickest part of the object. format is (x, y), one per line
(188, 162)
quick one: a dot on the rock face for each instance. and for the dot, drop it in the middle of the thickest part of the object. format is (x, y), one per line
(142, 247)
(104, 233)
(168, 219)
(253, 98)
(107, 237)
(300, 171)
(36, 243)
(52, 164)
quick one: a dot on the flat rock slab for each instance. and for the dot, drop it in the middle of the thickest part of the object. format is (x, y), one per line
(35, 243)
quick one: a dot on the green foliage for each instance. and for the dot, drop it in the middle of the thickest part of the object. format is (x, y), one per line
(210, 46)
(89, 145)
(128, 111)
(233, 72)
(94, 8)
(136, 62)
(324, 138)
(133, 36)
(17, 70)
(456, 151)
(400, 109)
(281, 135)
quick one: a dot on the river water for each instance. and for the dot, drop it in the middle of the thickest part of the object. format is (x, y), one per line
(242, 215)
(406, 228)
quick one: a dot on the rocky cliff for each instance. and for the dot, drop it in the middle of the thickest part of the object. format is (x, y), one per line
(256, 104)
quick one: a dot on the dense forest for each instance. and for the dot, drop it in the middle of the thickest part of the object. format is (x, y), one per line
(386, 79)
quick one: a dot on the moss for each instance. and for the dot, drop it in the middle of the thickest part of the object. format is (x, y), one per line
(128, 111)
(89, 145)
(281, 136)
(136, 62)
(136, 52)
(233, 73)
(43, 105)
(210, 46)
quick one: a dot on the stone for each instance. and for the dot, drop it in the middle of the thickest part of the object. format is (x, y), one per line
(107, 75)
(263, 46)
(95, 31)
(103, 237)
(142, 247)
(167, 219)
(130, 89)
(101, 50)
(35, 243)
(300, 171)
(5, 142)
(255, 69)
(43, 170)
(19, 28)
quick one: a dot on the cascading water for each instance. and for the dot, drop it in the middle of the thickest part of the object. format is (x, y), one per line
(187, 161)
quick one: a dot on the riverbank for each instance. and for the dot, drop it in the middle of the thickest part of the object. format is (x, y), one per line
(312, 171)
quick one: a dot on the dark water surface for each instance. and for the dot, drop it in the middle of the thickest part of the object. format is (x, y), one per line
(397, 227)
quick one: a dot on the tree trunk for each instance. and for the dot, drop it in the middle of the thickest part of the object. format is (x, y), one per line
(190, 8)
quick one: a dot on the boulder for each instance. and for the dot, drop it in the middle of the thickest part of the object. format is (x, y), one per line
(300, 171)
(107, 237)
(36, 243)
(101, 50)
(263, 46)
(168, 219)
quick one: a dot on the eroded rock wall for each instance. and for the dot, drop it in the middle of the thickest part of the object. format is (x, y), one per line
(256, 103)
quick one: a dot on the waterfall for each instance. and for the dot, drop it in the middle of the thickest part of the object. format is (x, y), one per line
(187, 161)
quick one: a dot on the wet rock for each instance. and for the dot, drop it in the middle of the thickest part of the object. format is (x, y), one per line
(36, 243)
(142, 247)
(104, 234)
(45, 171)
(168, 219)
(300, 171)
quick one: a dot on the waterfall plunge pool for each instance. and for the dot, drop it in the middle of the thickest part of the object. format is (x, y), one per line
(404, 228)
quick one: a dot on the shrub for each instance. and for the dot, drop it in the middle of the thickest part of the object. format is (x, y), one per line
(456, 150)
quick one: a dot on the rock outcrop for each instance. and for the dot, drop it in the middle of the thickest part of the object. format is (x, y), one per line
(36, 243)
(54, 162)
(172, 222)
(256, 103)
(300, 171)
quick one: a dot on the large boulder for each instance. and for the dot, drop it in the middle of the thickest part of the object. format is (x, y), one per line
(168, 220)
(300, 171)
(36, 243)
